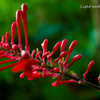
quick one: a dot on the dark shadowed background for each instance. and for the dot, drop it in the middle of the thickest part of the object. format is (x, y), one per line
(54, 20)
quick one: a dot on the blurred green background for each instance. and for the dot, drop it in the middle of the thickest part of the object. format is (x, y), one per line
(55, 20)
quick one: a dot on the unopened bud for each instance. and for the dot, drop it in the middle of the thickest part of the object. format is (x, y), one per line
(80, 82)
(99, 79)
(24, 54)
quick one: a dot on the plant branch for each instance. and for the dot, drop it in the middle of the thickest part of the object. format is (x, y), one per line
(69, 76)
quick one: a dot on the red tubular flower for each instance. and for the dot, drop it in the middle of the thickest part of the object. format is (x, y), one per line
(45, 54)
(1, 56)
(88, 69)
(56, 69)
(55, 84)
(99, 79)
(6, 45)
(35, 75)
(8, 66)
(60, 56)
(33, 52)
(22, 75)
(60, 63)
(7, 37)
(44, 46)
(6, 61)
(63, 44)
(75, 58)
(37, 68)
(55, 48)
(71, 47)
(15, 47)
(38, 54)
(13, 27)
(44, 72)
(18, 23)
(24, 54)
(2, 41)
(24, 18)
(67, 81)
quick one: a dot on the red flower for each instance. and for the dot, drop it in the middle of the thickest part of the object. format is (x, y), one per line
(88, 69)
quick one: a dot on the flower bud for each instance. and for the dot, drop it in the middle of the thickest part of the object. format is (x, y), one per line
(44, 46)
(75, 58)
(99, 79)
(56, 69)
(14, 47)
(61, 56)
(24, 54)
(71, 47)
(63, 44)
(88, 68)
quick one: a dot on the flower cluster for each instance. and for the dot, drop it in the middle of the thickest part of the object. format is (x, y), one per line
(38, 63)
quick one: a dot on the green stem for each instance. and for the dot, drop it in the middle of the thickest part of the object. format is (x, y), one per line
(69, 76)
(83, 82)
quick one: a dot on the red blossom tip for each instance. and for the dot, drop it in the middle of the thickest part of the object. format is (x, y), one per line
(90, 64)
(44, 72)
(24, 54)
(55, 84)
(99, 80)
(55, 48)
(7, 46)
(14, 47)
(18, 16)
(56, 69)
(34, 61)
(61, 56)
(13, 27)
(38, 54)
(22, 75)
(44, 46)
(35, 75)
(7, 37)
(18, 23)
(71, 47)
(63, 44)
(3, 39)
(33, 52)
(45, 54)
(24, 18)
(75, 58)
(88, 68)
(57, 45)
(24, 7)
(67, 81)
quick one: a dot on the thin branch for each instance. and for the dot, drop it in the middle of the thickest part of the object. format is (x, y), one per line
(69, 76)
